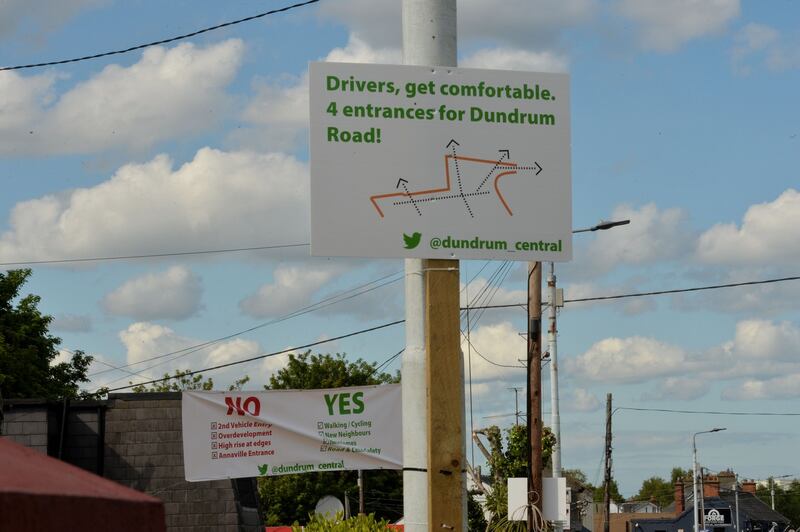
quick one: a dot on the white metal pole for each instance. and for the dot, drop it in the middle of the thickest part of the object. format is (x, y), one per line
(552, 338)
(555, 417)
(695, 505)
(429, 39)
(415, 403)
(772, 492)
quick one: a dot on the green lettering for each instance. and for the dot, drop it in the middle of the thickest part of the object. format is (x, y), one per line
(358, 402)
(329, 400)
(344, 402)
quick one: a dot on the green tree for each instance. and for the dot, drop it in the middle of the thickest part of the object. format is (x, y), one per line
(787, 500)
(27, 349)
(680, 474)
(509, 461)
(181, 381)
(656, 489)
(291, 498)
(616, 496)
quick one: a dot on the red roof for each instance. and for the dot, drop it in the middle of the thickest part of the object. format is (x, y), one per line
(41, 493)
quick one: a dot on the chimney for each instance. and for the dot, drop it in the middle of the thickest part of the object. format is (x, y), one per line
(680, 502)
(710, 486)
(726, 480)
(749, 486)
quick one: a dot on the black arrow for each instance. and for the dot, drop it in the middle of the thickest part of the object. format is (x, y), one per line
(453, 141)
(508, 153)
(539, 171)
(401, 180)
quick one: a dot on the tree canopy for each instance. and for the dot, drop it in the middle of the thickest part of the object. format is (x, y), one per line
(291, 498)
(656, 489)
(27, 349)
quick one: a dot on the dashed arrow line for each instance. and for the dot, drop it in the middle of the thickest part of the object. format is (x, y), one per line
(403, 182)
(453, 145)
(537, 167)
(506, 154)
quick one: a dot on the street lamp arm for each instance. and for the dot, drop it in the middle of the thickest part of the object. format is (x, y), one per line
(602, 226)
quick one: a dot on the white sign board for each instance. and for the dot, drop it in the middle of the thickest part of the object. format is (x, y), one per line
(439, 162)
(248, 434)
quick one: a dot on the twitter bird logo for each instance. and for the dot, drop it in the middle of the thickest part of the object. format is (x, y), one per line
(412, 241)
(262, 469)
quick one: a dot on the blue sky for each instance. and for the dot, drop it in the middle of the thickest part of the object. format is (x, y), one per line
(684, 117)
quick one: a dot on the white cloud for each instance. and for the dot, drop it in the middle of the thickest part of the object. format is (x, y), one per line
(504, 58)
(767, 235)
(679, 389)
(144, 341)
(519, 22)
(759, 42)
(172, 294)
(783, 387)
(71, 323)
(40, 15)
(765, 340)
(583, 400)
(168, 93)
(654, 235)
(492, 345)
(217, 200)
(634, 359)
(665, 25)
(291, 289)
(279, 110)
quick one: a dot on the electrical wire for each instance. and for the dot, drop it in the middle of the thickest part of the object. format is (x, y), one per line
(153, 255)
(261, 356)
(162, 41)
(709, 412)
(325, 302)
(656, 293)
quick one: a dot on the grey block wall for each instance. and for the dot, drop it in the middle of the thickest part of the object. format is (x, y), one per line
(144, 450)
(27, 426)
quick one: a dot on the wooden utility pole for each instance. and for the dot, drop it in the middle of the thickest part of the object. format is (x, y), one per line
(446, 438)
(607, 481)
(534, 403)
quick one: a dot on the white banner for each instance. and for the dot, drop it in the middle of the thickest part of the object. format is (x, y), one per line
(411, 161)
(248, 434)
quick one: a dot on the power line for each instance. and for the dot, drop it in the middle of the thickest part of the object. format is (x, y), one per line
(261, 356)
(654, 293)
(332, 300)
(153, 255)
(163, 41)
(710, 412)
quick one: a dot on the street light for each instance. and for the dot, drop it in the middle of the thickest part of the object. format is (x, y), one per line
(772, 488)
(694, 473)
(552, 337)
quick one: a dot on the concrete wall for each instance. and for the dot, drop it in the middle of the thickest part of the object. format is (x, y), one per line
(136, 440)
(26, 425)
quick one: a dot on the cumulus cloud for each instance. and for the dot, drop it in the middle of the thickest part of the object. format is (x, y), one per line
(217, 200)
(144, 341)
(583, 400)
(767, 235)
(504, 58)
(496, 351)
(654, 235)
(168, 93)
(291, 288)
(760, 350)
(42, 16)
(783, 387)
(279, 109)
(665, 25)
(172, 294)
(633, 359)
